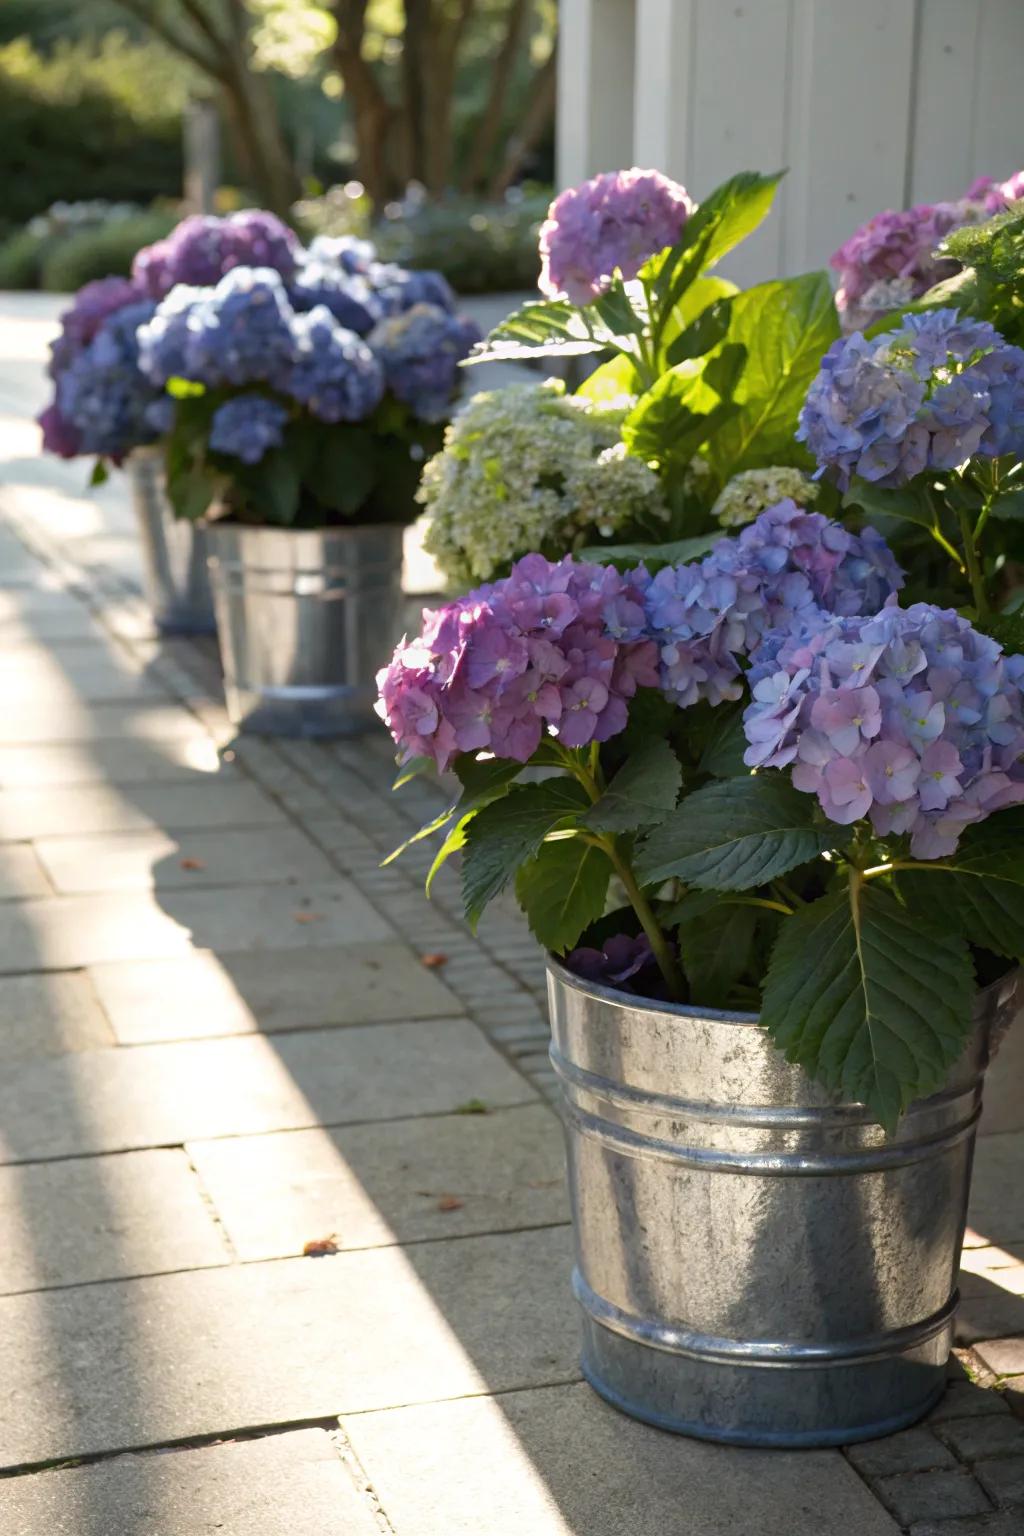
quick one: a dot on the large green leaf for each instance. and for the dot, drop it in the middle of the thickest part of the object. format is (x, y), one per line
(642, 793)
(343, 471)
(870, 999)
(715, 938)
(785, 326)
(556, 328)
(483, 779)
(742, 202)
(614, 380)
(509, 831)
(627, 556)
(909, 505)
(725, 217)
(703, 333)
(679, 413)
(979, 891)
(725, 745)
(735, 834)
(562, 890)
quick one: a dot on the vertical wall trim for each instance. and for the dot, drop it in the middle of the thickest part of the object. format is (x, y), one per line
(915, 77)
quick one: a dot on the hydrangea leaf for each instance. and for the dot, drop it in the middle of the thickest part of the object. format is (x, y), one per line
(612, 381)
(562, 890)
(874, 501)
(642, 793)
(979, 892)
(884, 1010)
(725, 217)
(736, 834)
(676, 415)
(785, 326)
(343, 472)
(626, 557)
(703, 333)
(553, 327)
(509, 831)
(482, 780)
(723, 751)
(715, 940)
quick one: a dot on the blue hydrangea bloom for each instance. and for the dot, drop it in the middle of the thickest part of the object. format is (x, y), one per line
(102, 395)
(420, 351)
(164, 340)
(348, 295)
(247, 426)
(929, 395)
(399, 288)
(334, 374)
(236, 333)
(345, 251)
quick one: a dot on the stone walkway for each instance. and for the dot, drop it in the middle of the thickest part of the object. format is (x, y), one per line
(225, 1034)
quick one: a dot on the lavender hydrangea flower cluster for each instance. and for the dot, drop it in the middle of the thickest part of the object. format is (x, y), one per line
(911, 718)
(531, 654)
(246, 331)
(890, 260)
(420, 352)
(201, 249)
(614, 221)
(683, 630)
(102, 403)
(929, 395)
(247, 426)
(93, 304)
(997, 195)
(783, 569)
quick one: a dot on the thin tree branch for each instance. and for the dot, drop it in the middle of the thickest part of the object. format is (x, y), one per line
(150, 17)
(492, 117)
(533, 124)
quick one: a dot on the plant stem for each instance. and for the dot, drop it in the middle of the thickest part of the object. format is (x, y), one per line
(660, 946)
(973, 566)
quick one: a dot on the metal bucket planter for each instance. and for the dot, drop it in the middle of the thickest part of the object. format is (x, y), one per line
(305, 619)
(756, 1263)
(174, 571)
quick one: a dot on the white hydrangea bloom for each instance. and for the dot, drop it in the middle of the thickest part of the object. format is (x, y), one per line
(747, 494)
(530, 468)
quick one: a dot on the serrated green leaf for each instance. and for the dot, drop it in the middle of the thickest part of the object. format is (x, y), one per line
(643, 792)
(785, 326)
(715, 940)
(552, 328)
(1008, 505)
(482, 778)
(735, 834)
(979, 891)
(625, 557)
(510, 830)
(679, 413)
(875, 501)
(562, 890)
(723, 751)
(455, 840)
(614, 380)
(412, 770)
(705, 332)
(744, 202)
(870, 999)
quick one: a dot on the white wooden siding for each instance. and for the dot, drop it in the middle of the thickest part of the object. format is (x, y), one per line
(870, 103)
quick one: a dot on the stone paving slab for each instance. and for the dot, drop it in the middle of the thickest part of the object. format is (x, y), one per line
(88, 809)
(203, 994)
(560, 1462)
(49, 722)
(1004, 1357)
(138, 861)
(164, 1095)
(65, 932)
(49, 1015)
(136, 1362)
(103, 1218)
(21, 873)
(120, 761)
(997, 1190)
(377, 1184)
(282, 1485)
(93, 671)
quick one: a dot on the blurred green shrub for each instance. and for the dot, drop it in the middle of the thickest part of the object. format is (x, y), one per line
(21, 256)
(103, 252)
(481, 247)
(89, 120)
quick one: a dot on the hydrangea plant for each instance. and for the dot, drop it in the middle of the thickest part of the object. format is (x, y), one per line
(808, 794)
(286, 415)
(532, 468)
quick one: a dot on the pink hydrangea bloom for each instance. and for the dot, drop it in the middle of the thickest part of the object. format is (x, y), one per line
(613, 222)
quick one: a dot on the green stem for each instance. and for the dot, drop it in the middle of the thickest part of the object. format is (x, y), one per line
(973, 565)
(760, 901)
(660, 946)
(886, 869)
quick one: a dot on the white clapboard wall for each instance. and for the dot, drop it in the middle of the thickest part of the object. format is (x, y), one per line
(870, 104)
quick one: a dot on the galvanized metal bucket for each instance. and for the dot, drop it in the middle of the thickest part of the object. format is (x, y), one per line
(305, 619)
(756, 1263)
(174, 570)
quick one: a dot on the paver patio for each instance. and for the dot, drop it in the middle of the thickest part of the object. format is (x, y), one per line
(219, 1043)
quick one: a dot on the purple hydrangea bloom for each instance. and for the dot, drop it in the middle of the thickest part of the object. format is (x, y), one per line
(420, 351)
(997, 195)
(911, 718)
(528, 655)
(929, 395)
(59, 436)
(92, 304)
(203, 248)
(334, 373)
(615, 221)
(622, 962)
(890, 260)
(247, 426)
(103, 402)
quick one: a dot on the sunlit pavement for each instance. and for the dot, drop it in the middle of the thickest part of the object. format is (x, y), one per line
(220, 1047)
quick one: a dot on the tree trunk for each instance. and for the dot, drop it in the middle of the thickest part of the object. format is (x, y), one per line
(377, 124)
(536, 119)
(486, 136)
